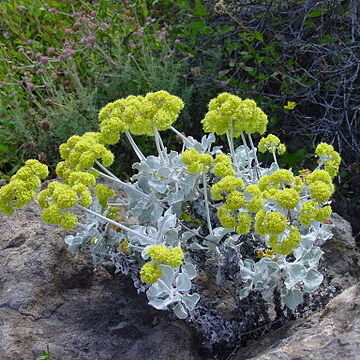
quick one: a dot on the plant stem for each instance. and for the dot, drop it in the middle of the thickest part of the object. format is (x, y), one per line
(207, 203)
(247, 155)
(257, 164)
(246, 148)
(113, 177)
(275, 159)
(138, 152)
(230, 139)
(182, 137)
(159, 144)
(122, 227)
(156, 134)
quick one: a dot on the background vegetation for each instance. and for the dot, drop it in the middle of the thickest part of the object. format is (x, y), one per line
(61, 61)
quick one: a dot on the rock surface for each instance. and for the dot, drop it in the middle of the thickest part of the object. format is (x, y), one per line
(50, 297)
(331, 334)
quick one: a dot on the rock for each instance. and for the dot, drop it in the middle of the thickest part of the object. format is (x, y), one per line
(331, 334)
(50, 297)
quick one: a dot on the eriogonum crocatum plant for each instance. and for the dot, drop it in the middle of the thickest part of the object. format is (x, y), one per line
(190, 208)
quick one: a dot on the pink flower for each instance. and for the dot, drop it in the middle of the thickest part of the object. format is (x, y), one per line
(53, 10)
(40, 71)
(3, 83)
(9, 75)
(70, 52)
(77, 24)
(88, 39)
(54, 75)
(93, 13)
(30, 85)
(44, 59)
(68, 31)
(50, 50)
(167, 57)
(177, 41)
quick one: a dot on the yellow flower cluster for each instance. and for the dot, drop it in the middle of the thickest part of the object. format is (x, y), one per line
(256, 202)
(230, 218)
(277, 179)
(310, 211)
(139, 115)
(243, 224)
(272, 223)
(52, 215)
(235, 200)
(81, 152)
(275, 224)
(287, 198)
(272, 144)
(195, 161)
(225, 185)
(160, 254)
(320, 185)
(290, 105)
(58, 196)
(287, 245)
(230, 113)
(273, 187)
(223, 165)
(150, 273)
(103, 193)
(22, 186)
(63, 195)
(164, 255)
(330, 157)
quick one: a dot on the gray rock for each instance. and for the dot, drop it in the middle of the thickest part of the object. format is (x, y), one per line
(331, 334)
(50, 297)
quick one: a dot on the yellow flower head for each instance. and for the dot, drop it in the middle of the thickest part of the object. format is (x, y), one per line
(290, 105)
(223, 165)
(271, 143)
(150, 273)
(229, 113)
(195, 161)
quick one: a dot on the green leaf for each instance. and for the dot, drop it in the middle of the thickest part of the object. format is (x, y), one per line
(258, 36)
(316, 13)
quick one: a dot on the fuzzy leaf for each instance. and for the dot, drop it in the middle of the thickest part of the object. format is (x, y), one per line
(189, 270)
(190, 301)
(293, 299)
(180, 311)
(312, 280)
(183, 283)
